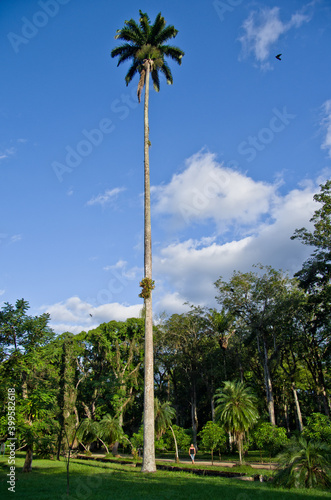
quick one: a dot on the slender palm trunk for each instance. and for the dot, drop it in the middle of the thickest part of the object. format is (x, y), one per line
(297, 406)
(268, 386)
(148, 464)
(176, 446)
(194, 413)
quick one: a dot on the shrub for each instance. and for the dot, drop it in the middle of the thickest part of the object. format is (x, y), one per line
(270, 438)
(304, 464)
(318, 428)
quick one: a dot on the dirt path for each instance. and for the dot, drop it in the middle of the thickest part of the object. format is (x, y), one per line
(217, 463)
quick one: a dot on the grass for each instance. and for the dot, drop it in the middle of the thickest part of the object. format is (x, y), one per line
(90, 480)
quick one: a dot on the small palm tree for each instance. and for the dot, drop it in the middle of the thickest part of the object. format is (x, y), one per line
(110, 431)
(164, 415)
(236, 411)
(304, 464)
(145, 46)
(87, 433)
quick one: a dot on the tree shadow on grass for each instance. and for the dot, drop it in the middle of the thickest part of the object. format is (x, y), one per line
(91, 481)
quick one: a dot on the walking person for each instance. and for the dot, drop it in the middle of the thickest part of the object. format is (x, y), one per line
(192, 453)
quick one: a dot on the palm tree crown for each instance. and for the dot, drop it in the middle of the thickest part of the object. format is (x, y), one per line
(236, 407)
(236, 410)
(145, 43)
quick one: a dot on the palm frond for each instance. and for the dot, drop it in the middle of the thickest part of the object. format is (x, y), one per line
(173, 52)
(132, 71)
(166, 34)
(128, 35)
(167, 73)
(145, 26)
(155, 79)
(124, 52)
(157, 27)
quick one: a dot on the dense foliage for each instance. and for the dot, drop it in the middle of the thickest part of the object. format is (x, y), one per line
(270, 337)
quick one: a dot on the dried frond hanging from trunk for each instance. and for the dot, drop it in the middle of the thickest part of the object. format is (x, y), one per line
(141, 83)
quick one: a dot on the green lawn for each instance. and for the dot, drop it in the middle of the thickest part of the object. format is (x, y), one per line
(91, 480)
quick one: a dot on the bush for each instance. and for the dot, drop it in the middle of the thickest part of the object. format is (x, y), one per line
(212, 437)
(270, 438)
(183, 438)
(304, 464)
(318, 428)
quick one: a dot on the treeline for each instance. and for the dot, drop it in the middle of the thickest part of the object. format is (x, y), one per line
(271, 332)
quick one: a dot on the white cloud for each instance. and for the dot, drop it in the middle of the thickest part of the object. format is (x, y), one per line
(15, 238)
(188, 269)
(326, 125)
(106, 197)
(207, 190)
(263, 28)
(76, 315)
(121, 267)
(7, 153)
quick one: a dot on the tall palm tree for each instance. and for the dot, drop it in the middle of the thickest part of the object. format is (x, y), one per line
(236, 411)
(145, 46)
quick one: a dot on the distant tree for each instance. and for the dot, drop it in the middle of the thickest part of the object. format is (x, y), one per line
(212, 437)
(315, 279)
(236, 411)
(259, 302)
(269, 438)
(110, 368)
(25, 367)
(318, 428)
(187, 342)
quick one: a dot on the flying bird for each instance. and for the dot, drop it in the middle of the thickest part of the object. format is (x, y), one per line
(91, 315)
(278, 57)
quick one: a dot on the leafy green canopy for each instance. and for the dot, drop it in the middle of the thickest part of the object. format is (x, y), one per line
(236, 408)
(146, 42)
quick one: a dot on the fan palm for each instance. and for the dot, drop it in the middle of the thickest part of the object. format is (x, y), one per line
(304, 464)
(145, 46)
(236, 411)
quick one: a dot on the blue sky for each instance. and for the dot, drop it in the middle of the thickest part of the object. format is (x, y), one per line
(240, 143)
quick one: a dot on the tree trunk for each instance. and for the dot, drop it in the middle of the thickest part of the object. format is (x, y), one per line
(27, 467)
(297, 407)
(268, 386)
(239, 440)
(212, 405)
(194, 414)
(148, 464)
(176, 447)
